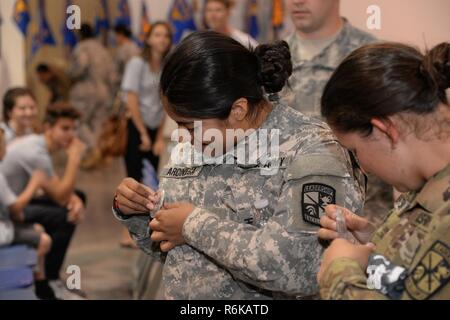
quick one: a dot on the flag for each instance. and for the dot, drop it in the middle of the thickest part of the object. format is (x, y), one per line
(44, 34)
(124, 14)
(181, 16)
(22, 15)
(102, 17)
(70, 39)
(277, 14)
(145, 25)
(253, 26)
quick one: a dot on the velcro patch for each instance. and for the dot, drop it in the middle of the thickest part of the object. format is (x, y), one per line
(315, 197)
(431, 274)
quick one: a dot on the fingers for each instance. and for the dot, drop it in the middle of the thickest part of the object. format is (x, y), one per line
(169, 206)
(353, 221)
(326, 234)
(135, 196)
(155, 225)
(158, 236)
(328, 223)
(139, 188)
(130, 206)
(166, 246)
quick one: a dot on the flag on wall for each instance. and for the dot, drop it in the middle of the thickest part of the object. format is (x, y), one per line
(253, 25)
(44, 35)
(145, 25)
(69, 37)
(102, 17)
(277, 14)
(181, 16)
(124, 14)
(21, 15)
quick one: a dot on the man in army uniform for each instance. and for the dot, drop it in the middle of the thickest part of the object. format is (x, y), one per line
(321, 40)
(249, 231)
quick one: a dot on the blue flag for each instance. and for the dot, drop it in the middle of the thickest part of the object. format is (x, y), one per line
(124, 14)
(253, 25)
(102, 18)
(70, 39)
(21, 15)
(44, 35)
(181, 16)
(145, 25)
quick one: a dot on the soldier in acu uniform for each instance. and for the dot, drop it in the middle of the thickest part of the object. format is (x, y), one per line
(236, 228)
(319, 43)
(389, 104)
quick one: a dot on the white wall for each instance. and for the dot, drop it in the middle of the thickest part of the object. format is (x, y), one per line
(12, 64)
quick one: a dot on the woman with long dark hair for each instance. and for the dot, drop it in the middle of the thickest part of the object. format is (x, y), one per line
(239, 221)
(141, 86)
(389, 104)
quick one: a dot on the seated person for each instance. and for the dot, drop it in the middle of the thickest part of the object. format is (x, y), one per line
(62, 208)
(19, 113)
(33, 235)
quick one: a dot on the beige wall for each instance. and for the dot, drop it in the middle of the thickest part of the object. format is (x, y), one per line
(418, 22)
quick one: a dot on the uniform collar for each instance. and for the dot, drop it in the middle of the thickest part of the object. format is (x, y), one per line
(436, 191)
(329, 57)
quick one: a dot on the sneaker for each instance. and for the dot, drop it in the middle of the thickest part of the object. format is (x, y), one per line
(63, 293)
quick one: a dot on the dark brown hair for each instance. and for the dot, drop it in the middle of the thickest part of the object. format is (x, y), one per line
(10, 98)
(223, 70)
(227, 3)
(147, 51)
(60, 110)
(384, 79)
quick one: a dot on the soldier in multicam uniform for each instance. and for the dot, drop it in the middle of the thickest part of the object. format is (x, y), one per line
(321, 40)
(240, 229)
(402, 134)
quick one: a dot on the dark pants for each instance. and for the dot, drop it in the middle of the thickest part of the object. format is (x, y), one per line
(134, 156)
(54, 220)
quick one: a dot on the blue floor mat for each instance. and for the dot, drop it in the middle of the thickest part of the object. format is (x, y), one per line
(17, 256)
(18, 294)
(21, 277)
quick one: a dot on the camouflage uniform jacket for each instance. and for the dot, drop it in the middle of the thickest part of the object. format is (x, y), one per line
(415, 236)
(309, 78)
(237, 249)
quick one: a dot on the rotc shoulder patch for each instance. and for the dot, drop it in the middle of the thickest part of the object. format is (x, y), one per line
(431, 274)
(315, 197)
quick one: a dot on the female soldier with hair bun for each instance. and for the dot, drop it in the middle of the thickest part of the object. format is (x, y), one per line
(390, 105)
(233, 228)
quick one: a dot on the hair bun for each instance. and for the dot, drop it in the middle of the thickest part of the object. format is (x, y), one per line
(275, 65)
(437, 65)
